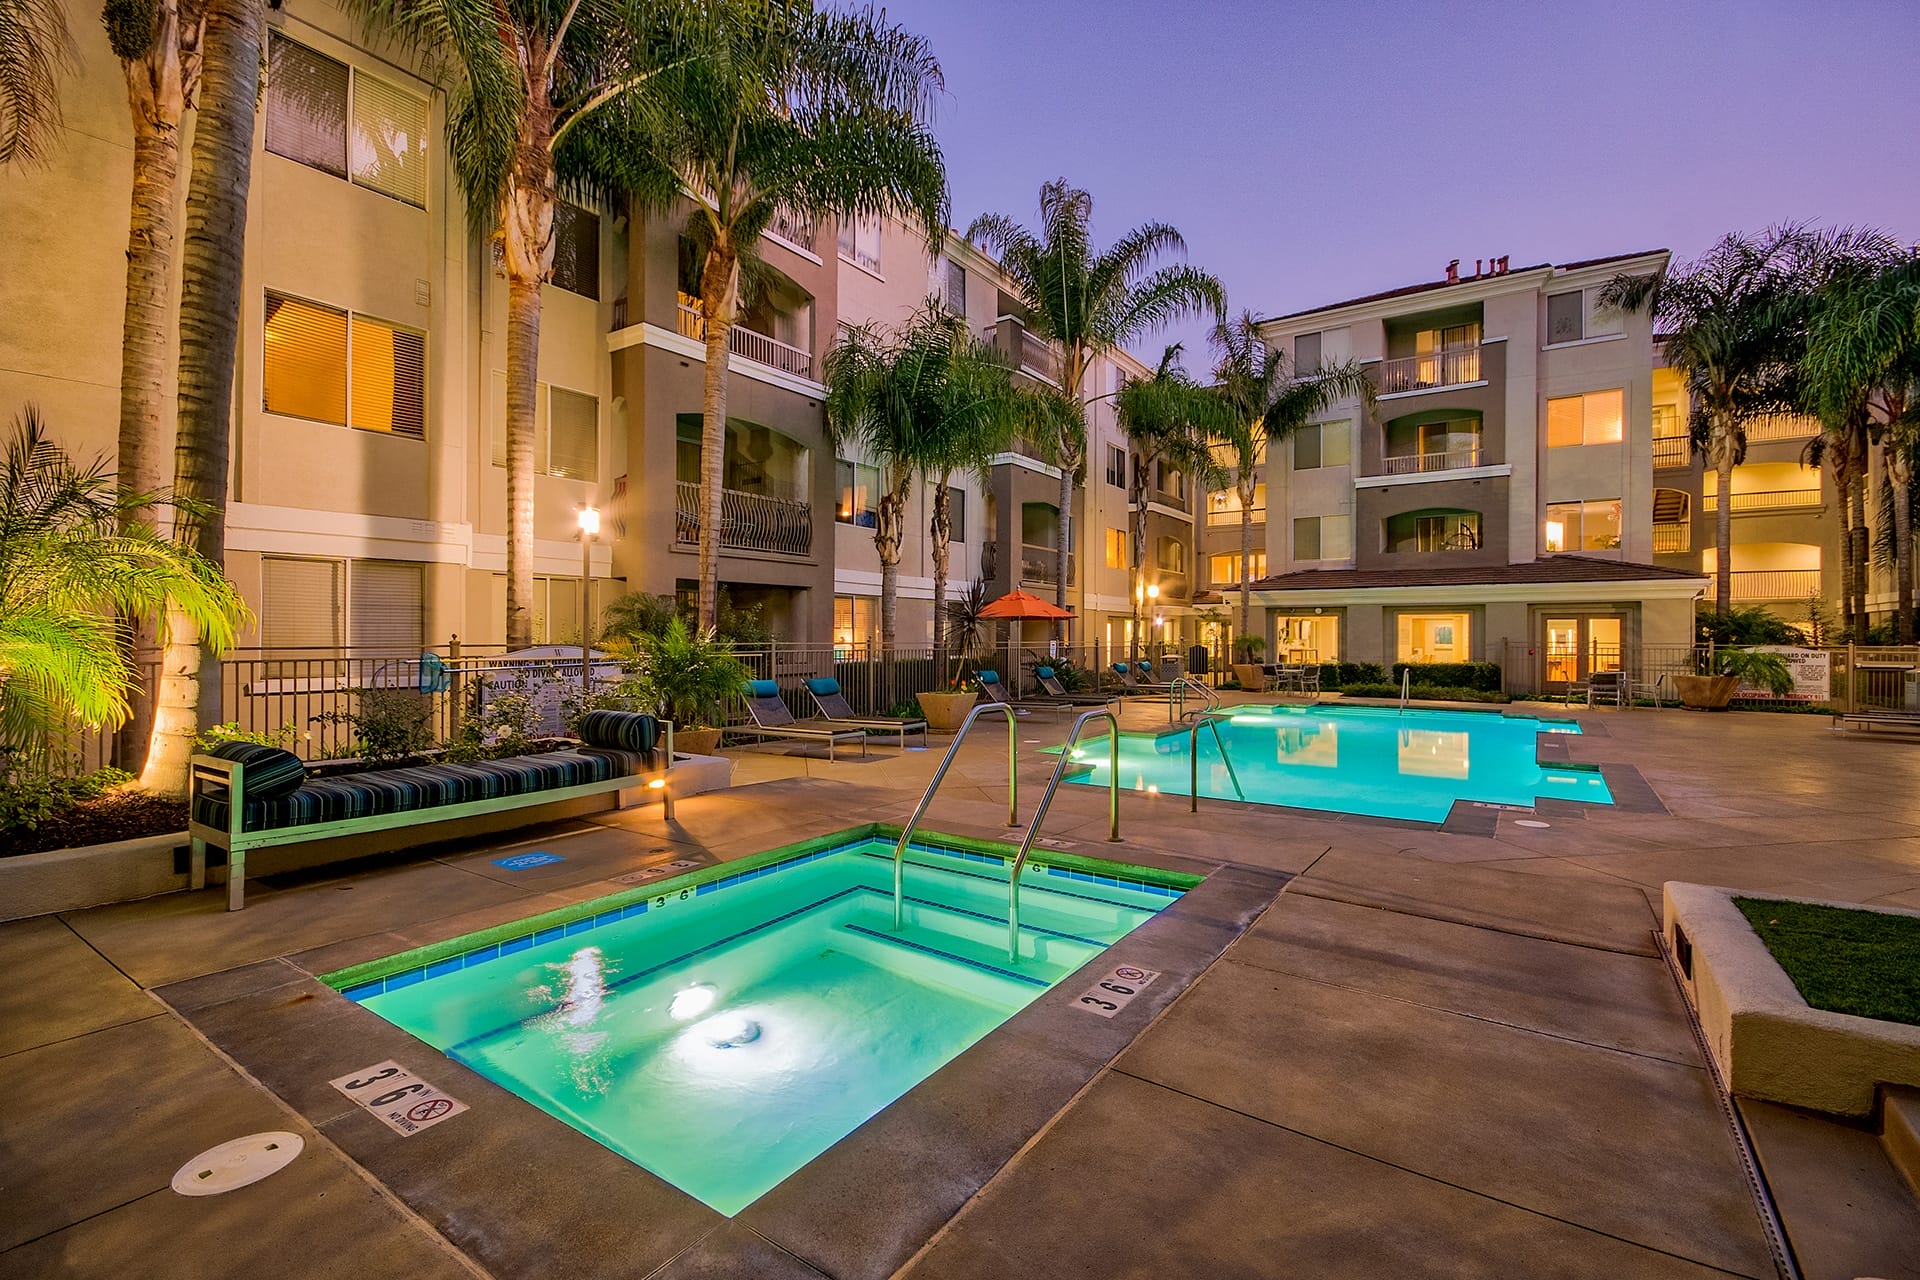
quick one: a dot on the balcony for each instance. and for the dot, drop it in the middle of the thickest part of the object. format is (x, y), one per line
(1782, 427)
(1032, 355)
(1765, 500)
(799, 231)
(748, 521)
(748, 345)
(1231, 516)
(1172, 501)
(1671, 451)
(1775, 584)
(1407, 464)
(1042, 565)
(1671, 538)
(1449, 368)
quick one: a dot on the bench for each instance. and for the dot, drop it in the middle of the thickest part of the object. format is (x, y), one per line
(1892, 721)
(620, 751)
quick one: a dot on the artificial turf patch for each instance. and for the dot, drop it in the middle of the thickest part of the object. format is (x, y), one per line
(1866, 963)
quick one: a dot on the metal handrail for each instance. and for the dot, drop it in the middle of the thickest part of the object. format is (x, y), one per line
(1177, 692)
(1013, 794)
(1211, 719)
(1046, 799)
(1406, 686)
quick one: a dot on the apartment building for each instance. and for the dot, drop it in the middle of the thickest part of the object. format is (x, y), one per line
(368, 490)
(1495, 501)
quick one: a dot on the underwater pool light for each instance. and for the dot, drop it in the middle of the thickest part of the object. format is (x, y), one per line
(692, 1002)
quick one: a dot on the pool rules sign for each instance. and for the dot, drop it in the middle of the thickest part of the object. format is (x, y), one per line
(403, 1101)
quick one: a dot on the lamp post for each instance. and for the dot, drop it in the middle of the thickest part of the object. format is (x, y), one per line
(589, 530)
(1153, 598)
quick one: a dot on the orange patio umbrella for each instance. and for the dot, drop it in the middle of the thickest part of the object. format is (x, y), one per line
(1018, 606)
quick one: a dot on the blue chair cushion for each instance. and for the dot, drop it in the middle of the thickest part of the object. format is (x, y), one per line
(989, 677)
(825, 687)
(619, 730)
(763, 688)
(271, 772)
(1045, 673)
(1120, 668)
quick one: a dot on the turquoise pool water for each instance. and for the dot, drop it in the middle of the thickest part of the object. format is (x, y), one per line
(1370, 760)
(722, 1035)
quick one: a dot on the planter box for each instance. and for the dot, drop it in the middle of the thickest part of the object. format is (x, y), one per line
(945, 711)
(1251, 677)
(1768, 1042)
(38, 884)
(696, 742)
(1706, 693)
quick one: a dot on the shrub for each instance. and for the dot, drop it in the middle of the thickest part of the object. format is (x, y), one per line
(690, 673)
(285, 736)
(389, 725)
(1484, 676)
(500, 727)
(1767, 671)
(27, 801)
(1338, 675)
(1746, 624)
(1426, 693)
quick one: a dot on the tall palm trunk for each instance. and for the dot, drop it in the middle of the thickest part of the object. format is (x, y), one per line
(889, 534)
(1074, 373)
(211, 261)
(1722, 453)
(719, 309)
(941, 527)
(527, 247)
(1857, 540)
(160, 77)
(1843, 490)
(1140, 468)
(1900, 471)
(1246, 552)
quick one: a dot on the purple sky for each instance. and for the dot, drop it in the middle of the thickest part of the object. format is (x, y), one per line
(1311, 152)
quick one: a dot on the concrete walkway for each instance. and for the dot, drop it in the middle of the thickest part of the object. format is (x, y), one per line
(1434, 1054)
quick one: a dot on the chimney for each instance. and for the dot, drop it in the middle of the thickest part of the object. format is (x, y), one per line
(1453, 272)
(1476, 268)
(1503, 264)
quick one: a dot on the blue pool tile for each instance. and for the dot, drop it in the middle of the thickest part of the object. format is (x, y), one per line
(364, 990)
(407, 978)
(481, 954)
(708, 887)
(512, 945)
(578, 926)
(550, 935)
(441, 968)
(638, 908)
(607, 917)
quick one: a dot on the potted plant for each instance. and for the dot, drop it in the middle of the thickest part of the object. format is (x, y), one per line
(944, 709)
(1731, 669)
(689, 675)
(1246, 662)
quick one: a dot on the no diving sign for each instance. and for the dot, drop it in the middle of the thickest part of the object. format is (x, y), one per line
(1116, 990)
(403, 1101)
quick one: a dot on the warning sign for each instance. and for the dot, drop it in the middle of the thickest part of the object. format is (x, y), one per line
(1116, 991)
(403, 1101)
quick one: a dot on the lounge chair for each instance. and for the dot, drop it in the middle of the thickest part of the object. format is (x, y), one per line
(1051, 686)
(997, 692)
(771, 719)
(1131, 683)
(835, 710)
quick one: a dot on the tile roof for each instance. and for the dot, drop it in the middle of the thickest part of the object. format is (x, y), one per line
(1560, 568)
(1405, 290)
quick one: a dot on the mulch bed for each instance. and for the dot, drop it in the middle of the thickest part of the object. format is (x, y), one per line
(108, 818)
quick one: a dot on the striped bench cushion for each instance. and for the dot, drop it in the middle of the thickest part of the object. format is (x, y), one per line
(619, 730)
(271, 772)
(363, 795)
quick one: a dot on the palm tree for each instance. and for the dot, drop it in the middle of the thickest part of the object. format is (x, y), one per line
(1090, 304)
(1267, 404)
(1727, 320)
(813, 114)
(210, 258)
(925, 400)
(158, 44)
(545, 92)
(1863, 356)
(35, 51)
(1170, 419)
(68, 565)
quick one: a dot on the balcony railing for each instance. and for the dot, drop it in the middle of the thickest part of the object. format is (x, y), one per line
(748, 345)
(1668, 538)
(1433, 369)
(1231, 515)
(748, 521)
(1671, 451)
(1037, 356)
(1178, 501)
(1406, 464)
(1775, 584)
(1765, 500)
(1782, 427)
(1042, 565)
(795, 229)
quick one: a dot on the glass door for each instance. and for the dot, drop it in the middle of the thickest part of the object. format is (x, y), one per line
(1578, 646)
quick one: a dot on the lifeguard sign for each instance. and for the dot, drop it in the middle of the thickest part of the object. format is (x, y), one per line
(1812, 674)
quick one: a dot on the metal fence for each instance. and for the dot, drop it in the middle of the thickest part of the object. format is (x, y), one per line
(1858, 676)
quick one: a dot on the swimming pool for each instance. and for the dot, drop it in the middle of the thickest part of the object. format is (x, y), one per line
(1378, 761)
(723, 1028)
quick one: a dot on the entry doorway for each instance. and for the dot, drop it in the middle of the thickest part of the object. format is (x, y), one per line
(1579, 645)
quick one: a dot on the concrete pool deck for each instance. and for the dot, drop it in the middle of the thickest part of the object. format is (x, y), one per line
(1432, 1053)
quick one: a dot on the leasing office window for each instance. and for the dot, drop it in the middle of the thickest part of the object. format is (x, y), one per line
(1598, 417)
(1583, 526)
(859, 494)
(576, 250)
(1577, 314)
(1322, 444)
(376, 606)
(329, 116)
(332, 365)
(566, 431)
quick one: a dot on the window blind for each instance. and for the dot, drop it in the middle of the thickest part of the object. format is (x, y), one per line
(306, 106)
(576, 250)
(573, 435)
(388, 608)
(304, 359)
(389, 378)
(389, 140)
(300, 603)
(498, 428)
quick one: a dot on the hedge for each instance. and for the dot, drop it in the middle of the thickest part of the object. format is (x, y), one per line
(1484, 676)
(1426, 693)
(1338, 675)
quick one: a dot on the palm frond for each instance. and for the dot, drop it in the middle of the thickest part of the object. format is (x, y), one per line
(36, 51)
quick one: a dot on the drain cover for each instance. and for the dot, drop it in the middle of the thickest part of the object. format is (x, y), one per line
(1530, 822)
(236, 1164)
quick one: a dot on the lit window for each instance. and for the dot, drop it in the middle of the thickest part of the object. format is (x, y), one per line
(1225, 569)
(328, 116)
(331, 365)
(859, 486)
(853, 623)
(1594, 418)
(1116, 548)
(1583, 526)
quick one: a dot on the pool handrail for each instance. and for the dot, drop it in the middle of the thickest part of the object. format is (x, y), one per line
(1046, 799)
(1212, 720)
(1013, 794)
(1177, 691)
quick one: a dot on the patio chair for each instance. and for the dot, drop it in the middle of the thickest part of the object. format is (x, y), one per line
(771, 719)
(1600, 687)
(996, 691)
(1050, 684)
(1131, 683)
(835, 710)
